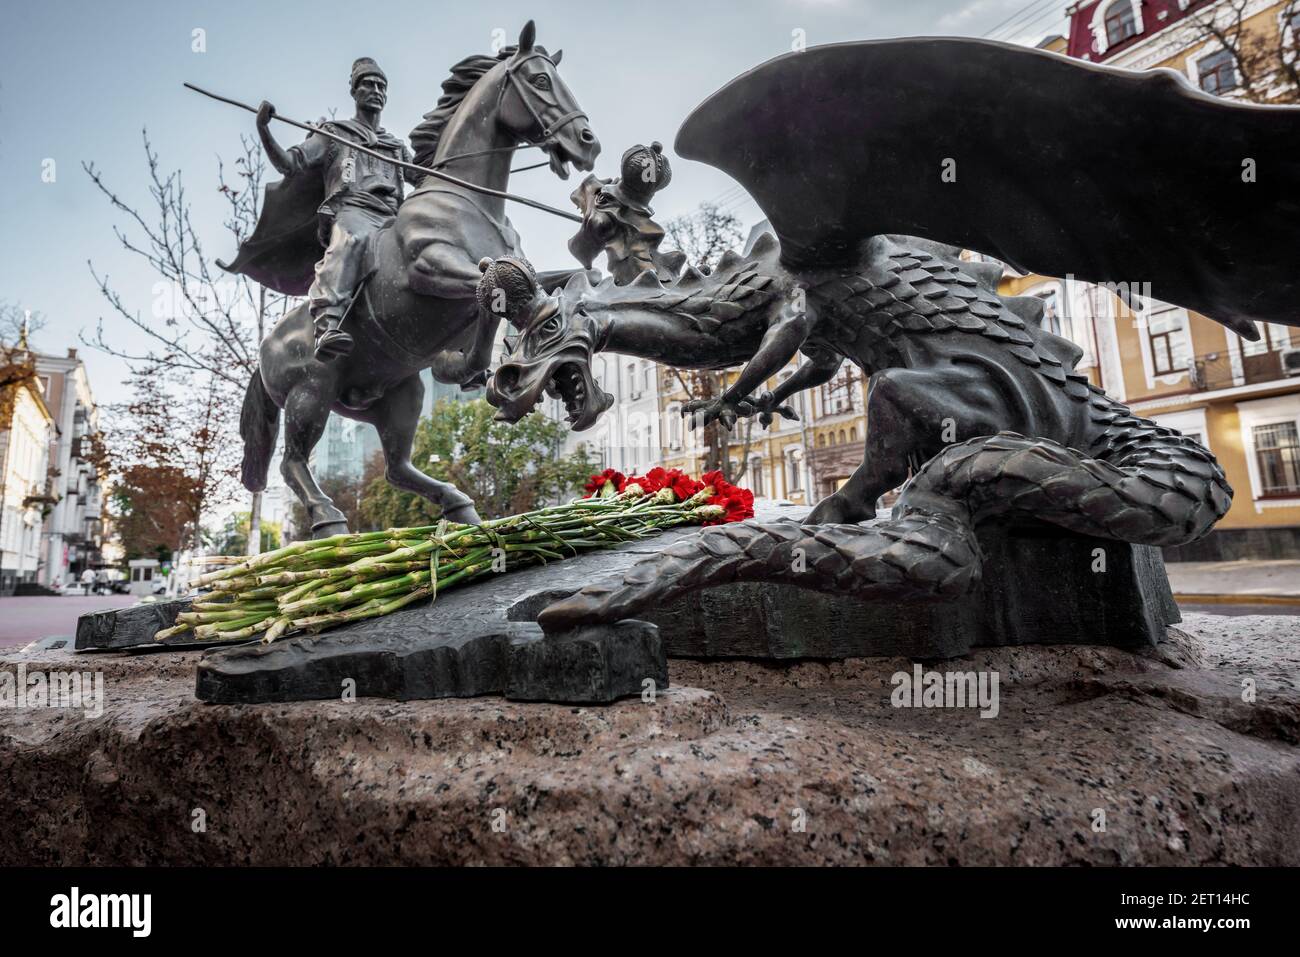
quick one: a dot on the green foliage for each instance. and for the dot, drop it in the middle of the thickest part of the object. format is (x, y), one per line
(506, 469)
(233, 537)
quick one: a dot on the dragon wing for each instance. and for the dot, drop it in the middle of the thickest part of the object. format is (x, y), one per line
(1050, 164)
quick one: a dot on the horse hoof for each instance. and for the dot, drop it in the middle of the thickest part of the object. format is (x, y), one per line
(326, 529)
(465, 514)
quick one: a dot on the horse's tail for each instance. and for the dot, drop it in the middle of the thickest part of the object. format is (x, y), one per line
(259, 423)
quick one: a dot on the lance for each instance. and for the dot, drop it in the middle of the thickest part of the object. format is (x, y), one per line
(415, 167)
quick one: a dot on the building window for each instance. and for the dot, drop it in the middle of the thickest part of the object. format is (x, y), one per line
(1166, 336)
(756, 476)
(1277, 452)
(1272, 338)
(1218, 72)
(1120, 22)
(794, 474)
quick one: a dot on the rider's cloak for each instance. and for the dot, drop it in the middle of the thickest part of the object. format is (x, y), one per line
(288, 240)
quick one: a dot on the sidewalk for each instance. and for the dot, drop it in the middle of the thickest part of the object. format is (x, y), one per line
(1223, 581)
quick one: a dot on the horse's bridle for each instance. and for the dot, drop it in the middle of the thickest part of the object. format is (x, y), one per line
(522, 90)
(548, 130)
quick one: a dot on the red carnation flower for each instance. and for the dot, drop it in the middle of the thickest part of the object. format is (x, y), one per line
(597, 482)
(683, 485)
(652, 481)
(739, 502)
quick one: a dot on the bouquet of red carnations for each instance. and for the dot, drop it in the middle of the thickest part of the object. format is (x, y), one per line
(310, 586)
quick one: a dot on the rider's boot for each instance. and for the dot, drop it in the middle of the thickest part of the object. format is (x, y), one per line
(331, 341)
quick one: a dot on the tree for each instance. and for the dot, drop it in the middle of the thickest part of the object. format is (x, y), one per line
(233, 538)
(17, 361)
(704, 236)
(170, 477)
(505, 468)
(204, 323)
(1266, 61)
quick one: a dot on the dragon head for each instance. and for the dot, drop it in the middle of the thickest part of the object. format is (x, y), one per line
(551, 355)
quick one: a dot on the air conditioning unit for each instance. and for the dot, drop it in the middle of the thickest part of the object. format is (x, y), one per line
(1290, 362)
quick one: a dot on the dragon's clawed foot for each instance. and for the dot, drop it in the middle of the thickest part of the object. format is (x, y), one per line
(703, 411)
(700, 412)
(766, 406)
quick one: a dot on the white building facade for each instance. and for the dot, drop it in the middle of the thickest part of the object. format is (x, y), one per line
(73, 530)
(626, 437)
(24, 461)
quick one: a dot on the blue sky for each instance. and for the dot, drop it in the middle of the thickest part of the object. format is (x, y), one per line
(80, 79)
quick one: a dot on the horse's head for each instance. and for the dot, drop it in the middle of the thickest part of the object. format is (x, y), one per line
(539, 108)
(552, 353)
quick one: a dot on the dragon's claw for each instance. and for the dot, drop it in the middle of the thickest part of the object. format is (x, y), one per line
(703, 411)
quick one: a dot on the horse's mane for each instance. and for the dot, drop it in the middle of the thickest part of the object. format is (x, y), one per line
(466, 73)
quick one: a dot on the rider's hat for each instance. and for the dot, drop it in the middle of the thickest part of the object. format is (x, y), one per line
(364, 66)
(643, 171)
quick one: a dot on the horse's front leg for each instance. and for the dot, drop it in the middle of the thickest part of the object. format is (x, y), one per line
(466, 363)
(395, 416)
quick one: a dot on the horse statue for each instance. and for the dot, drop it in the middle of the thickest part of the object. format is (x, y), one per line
(416, 308)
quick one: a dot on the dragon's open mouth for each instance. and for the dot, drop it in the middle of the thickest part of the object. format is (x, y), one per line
(569, 385)
(516, 388)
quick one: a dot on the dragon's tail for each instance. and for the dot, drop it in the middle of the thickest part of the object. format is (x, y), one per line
(1152, 487)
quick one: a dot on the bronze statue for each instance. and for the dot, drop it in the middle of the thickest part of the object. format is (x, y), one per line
(415, 307)
(968, 394)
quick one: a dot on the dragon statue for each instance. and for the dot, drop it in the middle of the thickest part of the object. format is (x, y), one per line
(971, 403)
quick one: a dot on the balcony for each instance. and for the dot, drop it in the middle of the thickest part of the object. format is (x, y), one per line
(1221, 370)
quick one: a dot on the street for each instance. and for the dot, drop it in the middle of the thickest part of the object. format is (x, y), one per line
(41, 616)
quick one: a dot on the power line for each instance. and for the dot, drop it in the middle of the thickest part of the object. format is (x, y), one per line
(1013, 16)
(1051, 17)
(1015, 24)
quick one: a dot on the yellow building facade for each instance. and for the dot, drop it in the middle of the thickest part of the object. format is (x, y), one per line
(799, 462)
(1241, 399)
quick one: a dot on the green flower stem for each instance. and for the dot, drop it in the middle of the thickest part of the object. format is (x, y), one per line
(172, 632)
(310, 586)
(215, 630)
